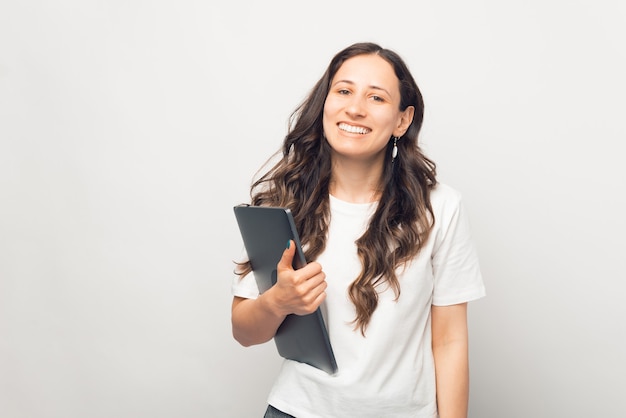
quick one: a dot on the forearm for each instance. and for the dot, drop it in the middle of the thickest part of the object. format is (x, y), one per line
(300, 292)
(452, 374)
(254, 321)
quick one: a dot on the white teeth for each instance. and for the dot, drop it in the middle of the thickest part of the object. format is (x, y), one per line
(353, 129)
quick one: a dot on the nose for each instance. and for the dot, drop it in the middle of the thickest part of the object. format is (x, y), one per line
(356, 107)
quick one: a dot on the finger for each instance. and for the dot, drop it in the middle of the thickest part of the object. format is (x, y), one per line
(315, 281)
(315, 300)
(285, 262)
(311, 289)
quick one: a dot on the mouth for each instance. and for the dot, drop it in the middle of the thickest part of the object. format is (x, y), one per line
(354, 129)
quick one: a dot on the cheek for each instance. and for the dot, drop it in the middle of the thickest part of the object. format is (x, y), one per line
(327, 113)
(394, 120)
(331, 106)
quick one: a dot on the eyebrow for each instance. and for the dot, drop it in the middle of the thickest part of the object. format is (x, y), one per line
(371, 87)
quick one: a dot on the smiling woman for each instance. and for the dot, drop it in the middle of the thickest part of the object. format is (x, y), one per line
(390, 260)
(362, 111)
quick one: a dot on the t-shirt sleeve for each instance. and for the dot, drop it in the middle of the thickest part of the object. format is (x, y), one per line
(456, 269)
(245, 287)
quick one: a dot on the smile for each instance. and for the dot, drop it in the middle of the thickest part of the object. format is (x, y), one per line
(354, 129)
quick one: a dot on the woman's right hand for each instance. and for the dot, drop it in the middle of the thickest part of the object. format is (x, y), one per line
(299, 291)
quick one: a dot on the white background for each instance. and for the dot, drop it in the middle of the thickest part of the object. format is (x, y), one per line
(129, 129)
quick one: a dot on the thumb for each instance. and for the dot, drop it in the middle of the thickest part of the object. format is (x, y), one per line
(286, 261)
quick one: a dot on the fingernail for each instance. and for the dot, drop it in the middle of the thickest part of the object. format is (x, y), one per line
(288, 243)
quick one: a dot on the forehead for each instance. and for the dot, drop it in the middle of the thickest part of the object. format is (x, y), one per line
(371, 70)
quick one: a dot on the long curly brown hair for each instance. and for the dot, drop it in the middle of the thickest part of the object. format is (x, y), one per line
(300, 181)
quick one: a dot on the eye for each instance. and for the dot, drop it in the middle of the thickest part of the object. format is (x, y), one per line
(378, 99)
(343, 91)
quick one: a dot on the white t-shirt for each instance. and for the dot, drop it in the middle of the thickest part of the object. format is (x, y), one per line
(389, 372)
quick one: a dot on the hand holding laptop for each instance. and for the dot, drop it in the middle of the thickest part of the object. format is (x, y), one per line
(296, 288)
(299, 291)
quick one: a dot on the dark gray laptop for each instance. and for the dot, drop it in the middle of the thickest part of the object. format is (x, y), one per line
(265, 232)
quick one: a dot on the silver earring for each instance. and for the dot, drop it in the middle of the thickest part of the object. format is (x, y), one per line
(394, 151)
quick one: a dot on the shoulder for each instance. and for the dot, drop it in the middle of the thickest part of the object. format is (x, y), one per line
(444, 197)
(447, 205)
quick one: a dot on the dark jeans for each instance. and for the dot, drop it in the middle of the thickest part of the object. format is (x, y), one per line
(272, 412)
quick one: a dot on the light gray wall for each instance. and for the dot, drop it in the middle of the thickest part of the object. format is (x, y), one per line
(129, 129)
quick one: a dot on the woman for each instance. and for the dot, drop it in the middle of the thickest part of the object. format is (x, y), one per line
(391, 264)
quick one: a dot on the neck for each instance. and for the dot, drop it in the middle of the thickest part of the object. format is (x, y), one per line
(356, 182)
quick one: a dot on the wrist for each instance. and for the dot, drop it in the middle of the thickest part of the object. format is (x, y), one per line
(270, 305)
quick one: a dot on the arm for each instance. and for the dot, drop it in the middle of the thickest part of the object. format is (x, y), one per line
(450, 350)
(255, 321)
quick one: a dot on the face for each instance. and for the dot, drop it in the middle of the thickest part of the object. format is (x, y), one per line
(362, 109)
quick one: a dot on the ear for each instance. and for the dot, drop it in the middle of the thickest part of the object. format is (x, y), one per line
(406, 117)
